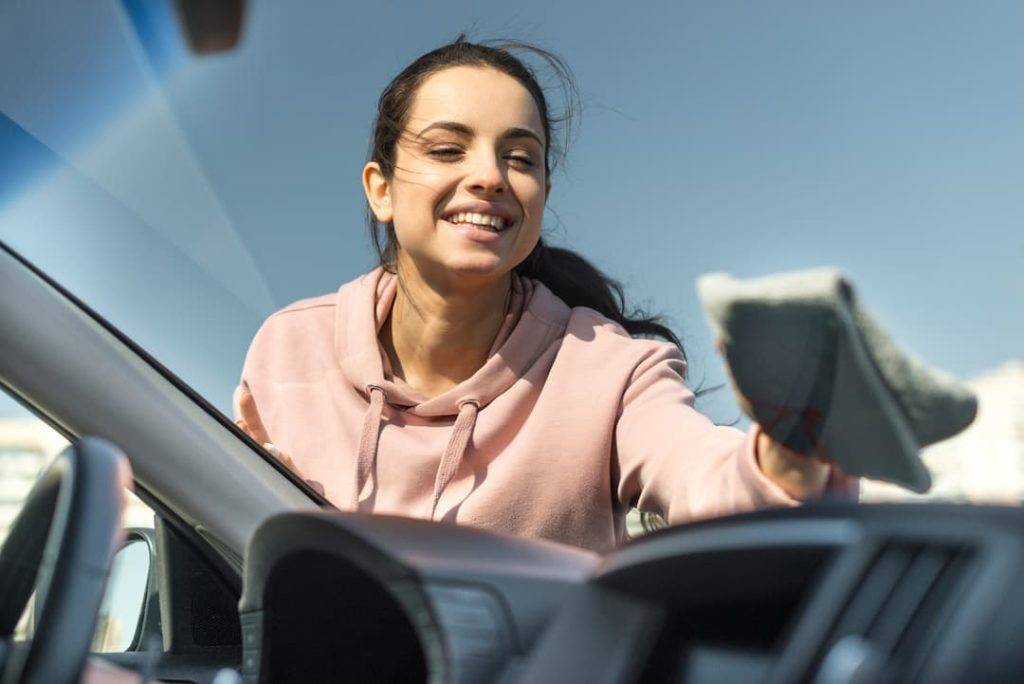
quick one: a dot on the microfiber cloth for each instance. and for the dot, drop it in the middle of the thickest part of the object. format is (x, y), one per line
(818, 370)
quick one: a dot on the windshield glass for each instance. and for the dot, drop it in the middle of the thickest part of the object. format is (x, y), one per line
(186, 197)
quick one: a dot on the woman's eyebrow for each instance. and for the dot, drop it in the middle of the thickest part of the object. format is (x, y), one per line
(466, 131)
(522, 133)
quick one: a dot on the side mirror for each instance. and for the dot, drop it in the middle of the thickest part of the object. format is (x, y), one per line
(130, 603)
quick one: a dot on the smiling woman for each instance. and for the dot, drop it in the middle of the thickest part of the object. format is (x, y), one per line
(477, 376)
(448, 229)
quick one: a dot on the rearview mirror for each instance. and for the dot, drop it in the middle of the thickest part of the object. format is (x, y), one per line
(212, 25)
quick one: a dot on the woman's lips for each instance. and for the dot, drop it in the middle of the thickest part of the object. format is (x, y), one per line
(475, 233)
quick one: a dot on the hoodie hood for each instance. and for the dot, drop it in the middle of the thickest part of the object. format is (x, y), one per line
(535, 319)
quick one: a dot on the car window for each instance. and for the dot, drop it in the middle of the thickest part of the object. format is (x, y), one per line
(27, 446)
(187, 197)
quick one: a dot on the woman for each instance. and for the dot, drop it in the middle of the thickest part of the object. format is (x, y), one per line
(477, 376)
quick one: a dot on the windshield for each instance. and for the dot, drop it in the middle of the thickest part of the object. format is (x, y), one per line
(186, 197)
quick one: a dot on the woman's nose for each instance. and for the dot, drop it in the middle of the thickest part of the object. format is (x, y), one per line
(487, 175)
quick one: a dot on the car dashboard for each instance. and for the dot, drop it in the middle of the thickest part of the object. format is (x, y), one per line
(822, 593)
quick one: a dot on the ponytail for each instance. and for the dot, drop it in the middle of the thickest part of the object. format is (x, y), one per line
(577, 282)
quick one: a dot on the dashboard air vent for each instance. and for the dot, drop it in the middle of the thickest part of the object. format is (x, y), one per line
(895, 610)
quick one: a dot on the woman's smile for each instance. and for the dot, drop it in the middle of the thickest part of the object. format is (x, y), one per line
(479, 221)
(477, 232)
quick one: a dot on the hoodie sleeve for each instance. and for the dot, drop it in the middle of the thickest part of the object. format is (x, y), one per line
(674, 461)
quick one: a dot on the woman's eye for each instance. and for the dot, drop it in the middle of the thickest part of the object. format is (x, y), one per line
(518, 159)
(452, 153)
(445, 152)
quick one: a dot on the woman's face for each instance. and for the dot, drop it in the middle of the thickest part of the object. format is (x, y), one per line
(467, 196)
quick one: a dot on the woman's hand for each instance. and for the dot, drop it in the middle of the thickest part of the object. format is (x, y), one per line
(282, 457)
(802, 477)
(290, 464)
(99, 671)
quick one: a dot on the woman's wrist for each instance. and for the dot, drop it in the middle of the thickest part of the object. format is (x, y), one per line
(802, 477)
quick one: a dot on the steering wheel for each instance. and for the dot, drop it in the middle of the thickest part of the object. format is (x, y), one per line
(62, 544)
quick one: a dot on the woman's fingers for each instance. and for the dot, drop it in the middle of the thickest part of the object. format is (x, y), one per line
(802, 477)
(290, 463)
(282, 457)
(249, 418)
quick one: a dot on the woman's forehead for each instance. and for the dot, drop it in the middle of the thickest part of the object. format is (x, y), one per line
(484, 99)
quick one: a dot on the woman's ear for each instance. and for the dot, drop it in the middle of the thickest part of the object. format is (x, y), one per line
(378, 192)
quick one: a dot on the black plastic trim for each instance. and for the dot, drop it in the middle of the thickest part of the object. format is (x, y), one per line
(168, 375)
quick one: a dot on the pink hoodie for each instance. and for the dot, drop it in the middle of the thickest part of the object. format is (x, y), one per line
(568, 424)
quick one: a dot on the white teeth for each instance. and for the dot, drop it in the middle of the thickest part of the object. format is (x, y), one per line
(482, 220)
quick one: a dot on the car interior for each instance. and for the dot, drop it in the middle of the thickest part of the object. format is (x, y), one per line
(254, 572)
(251, 575)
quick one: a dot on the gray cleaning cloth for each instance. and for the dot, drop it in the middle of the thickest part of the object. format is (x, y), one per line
(817, 370)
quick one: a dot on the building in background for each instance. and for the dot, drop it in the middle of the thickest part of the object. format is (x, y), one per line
(27, 445)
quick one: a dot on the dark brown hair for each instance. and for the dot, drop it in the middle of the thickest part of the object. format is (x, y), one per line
(568, 275)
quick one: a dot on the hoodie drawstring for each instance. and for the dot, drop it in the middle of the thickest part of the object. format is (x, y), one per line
(455, 450)
(366, 459)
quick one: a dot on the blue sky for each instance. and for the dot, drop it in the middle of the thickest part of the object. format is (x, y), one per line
(188, 198)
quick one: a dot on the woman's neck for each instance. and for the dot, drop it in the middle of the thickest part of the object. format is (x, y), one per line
(437, 337)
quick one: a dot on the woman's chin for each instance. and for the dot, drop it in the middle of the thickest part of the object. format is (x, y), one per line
(477, 267)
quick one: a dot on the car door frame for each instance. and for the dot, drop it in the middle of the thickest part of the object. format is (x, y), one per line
(208, 483)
